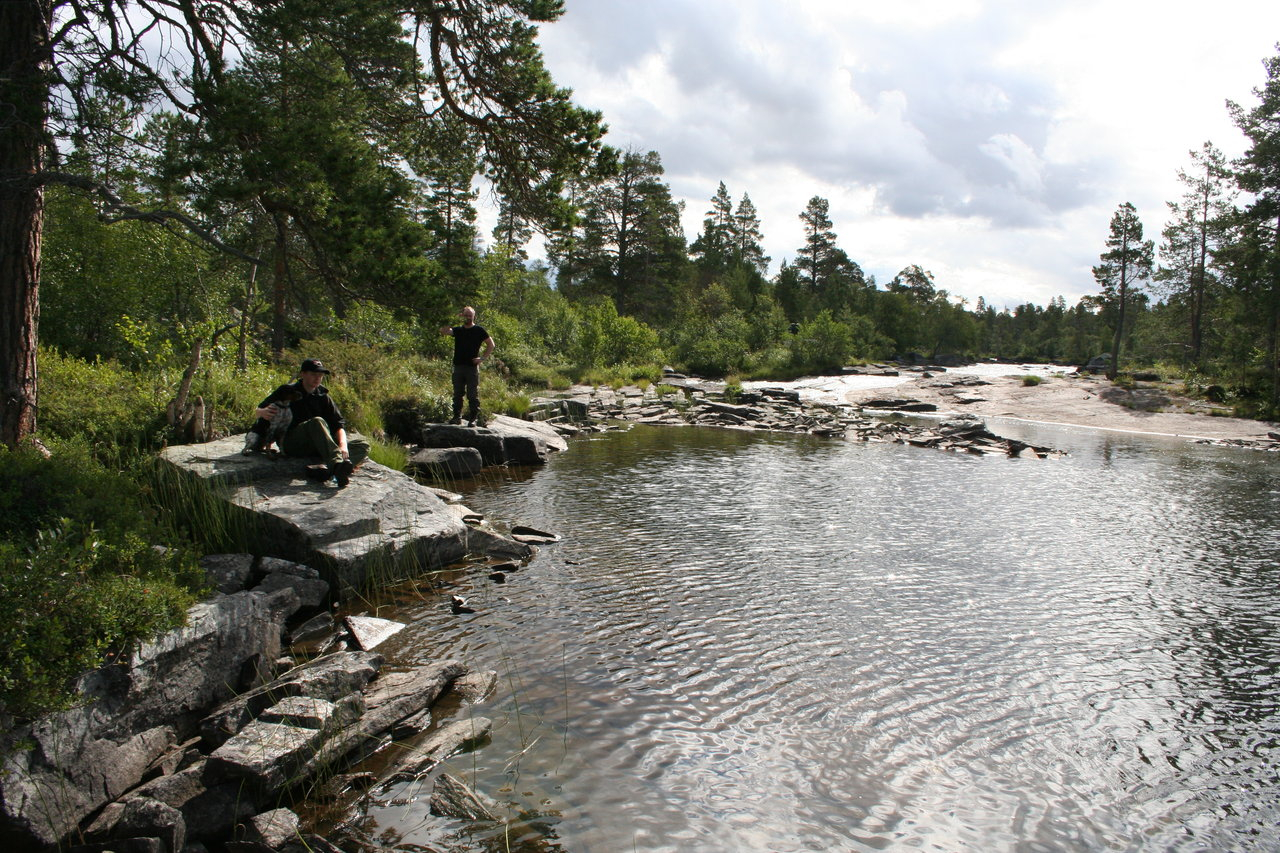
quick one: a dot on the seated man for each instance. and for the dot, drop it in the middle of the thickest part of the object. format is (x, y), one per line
(317, 428)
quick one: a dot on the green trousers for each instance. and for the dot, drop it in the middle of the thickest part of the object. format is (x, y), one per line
(312, 438)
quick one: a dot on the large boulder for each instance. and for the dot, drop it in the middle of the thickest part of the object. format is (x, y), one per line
(383, 525)
(447, 463)
(75, 761)
(1098, 364)
(504, 440)
(486, 441)
(525, 449)
(507, 427)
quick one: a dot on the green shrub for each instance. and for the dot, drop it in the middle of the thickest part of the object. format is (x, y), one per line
(81, 575)
(824, 343)
(715, 347)
(544, 376)
(101, 401)
(231, 395)
(1031, 379)
(515, 405)
(404, 417)
(364, 378)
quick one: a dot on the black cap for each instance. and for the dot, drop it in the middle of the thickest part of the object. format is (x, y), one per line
(312, 365)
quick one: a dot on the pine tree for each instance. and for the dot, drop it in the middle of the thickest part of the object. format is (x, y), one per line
(1197, 229)
(632, 247)
(714, 245)
(1125, 264)
(748, 248)
(1257, 261)
(749, 258)
(814, 258)
(512, 232)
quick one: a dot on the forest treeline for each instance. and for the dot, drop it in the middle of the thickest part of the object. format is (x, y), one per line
(308, 171)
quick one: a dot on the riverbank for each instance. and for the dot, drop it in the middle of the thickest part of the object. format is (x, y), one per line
(1077, 400)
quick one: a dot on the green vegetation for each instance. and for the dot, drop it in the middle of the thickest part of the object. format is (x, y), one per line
(86, 570)
(1032, 380)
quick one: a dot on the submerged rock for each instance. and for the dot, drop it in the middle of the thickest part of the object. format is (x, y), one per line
(453, 798)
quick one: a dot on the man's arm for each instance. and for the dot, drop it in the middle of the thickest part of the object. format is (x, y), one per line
(488, 351)
(446, 330)
(267, 408)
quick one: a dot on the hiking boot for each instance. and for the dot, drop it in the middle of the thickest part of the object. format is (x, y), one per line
(342, 473)
(318, 473)
(456, 421)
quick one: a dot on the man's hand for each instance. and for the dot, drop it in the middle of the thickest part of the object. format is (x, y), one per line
(268, 412)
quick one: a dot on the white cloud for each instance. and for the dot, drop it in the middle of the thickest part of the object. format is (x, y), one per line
(987, 140)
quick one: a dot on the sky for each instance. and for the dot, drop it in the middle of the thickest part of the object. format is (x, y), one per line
(988, 141)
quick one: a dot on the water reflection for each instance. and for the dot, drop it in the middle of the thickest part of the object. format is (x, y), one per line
(755, 642)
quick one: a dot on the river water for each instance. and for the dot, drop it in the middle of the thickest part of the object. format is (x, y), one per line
(753, 642)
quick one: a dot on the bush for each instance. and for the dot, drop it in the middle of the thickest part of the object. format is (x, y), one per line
(824, 343)
(101, 402)
(404, 417)
(82, 578)
(715, 348)
(1031, 379)
(608, 339)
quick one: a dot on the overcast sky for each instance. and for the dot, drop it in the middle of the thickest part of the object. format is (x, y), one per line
(988, 141)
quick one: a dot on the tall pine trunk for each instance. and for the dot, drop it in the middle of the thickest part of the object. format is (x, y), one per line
(24, 98)
(1273, 353)
(1114, 367)
(279, 286)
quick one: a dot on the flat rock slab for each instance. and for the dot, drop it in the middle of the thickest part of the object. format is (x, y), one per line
(508, 426)
(447, 462)
(382, 526)
(369, 631)
(267, 753)
(442, 743)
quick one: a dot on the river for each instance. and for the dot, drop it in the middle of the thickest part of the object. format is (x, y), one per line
(753, 642)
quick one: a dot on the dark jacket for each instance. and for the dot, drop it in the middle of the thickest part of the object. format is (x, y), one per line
(315, 405)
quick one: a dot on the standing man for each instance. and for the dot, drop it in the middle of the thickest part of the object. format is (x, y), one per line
(318, 428)
(467, 340)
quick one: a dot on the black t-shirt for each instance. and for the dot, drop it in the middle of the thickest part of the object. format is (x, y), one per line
(467, 341)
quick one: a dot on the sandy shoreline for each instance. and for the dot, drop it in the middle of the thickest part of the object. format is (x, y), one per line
(1074, 400)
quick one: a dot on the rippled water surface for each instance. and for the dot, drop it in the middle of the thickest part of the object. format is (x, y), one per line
(753, 642)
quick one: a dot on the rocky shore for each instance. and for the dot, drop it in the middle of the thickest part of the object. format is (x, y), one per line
(1146, 405)
(685, 401)
(205, 737)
